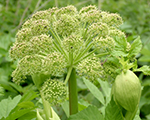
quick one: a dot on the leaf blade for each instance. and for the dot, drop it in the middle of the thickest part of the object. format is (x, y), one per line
(95, 91)
(90, 113)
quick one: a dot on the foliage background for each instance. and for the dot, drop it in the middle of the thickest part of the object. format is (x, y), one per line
(13, 13)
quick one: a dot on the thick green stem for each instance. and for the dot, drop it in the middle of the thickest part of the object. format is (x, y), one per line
(73, 95)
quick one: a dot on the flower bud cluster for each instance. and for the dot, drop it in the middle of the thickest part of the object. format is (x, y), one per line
(69, 10)
(112, 19)
(116, 32)
(86, 9)
(107, 43)
(55, 39)
(91, 16)
(54, 91)
(54, 64)
(23, 35)
(66, 25)
(38, 27)
(42, 15)
(91, 68)
(36, 45)
(72, 43)
(28, 65)
(98, 29)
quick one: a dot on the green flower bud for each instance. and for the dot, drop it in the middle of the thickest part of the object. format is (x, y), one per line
(54, 91)
(127, 90)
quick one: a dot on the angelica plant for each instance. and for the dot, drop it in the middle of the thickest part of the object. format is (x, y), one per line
(87, 43)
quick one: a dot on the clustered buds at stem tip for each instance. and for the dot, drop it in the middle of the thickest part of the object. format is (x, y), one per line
(53, 40)
(54, 91)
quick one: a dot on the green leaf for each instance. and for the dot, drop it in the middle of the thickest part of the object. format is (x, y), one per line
(119, 53)
(90, 113)
(113, 112)
(65, 106)
(136, 47)
(17, 87)
(5, 84)
(28, 116)
(144, 58)
(26, 104)
(146, 50)
(81, 107)
(137, 117)
(95, 91)
(39, 117)
(38, 79)
(7, 105)
(145, 69)
(106, 89)
(18, 114)
(120, 47)
(148, 116)
(47, 109)
(54, 114)
(29, 95)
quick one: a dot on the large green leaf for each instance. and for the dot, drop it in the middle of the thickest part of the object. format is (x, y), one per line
(7, 105)
(90, 113)
(113, 112)
(95, 91)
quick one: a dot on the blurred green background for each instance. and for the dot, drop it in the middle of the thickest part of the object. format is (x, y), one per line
(13, 13)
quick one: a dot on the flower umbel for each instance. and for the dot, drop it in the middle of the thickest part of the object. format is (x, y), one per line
(56, 40)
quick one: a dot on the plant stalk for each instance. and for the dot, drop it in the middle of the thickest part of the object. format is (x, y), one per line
(73, 95)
